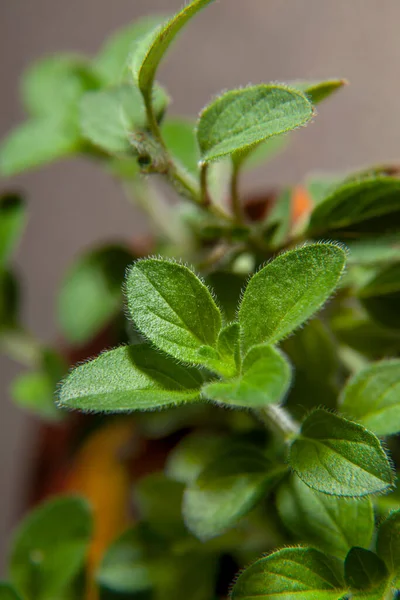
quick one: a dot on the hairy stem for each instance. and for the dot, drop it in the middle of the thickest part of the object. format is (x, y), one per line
(278, 420)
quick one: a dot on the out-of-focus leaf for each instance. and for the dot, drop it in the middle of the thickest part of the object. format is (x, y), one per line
(12, 222)
(381, 297)
(91, 292)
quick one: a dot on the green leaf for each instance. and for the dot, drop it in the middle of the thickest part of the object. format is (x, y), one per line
(50, 547)
(109, 117)
(192, 455)
(318, 91)
(172, 308)
(241, 119)
(157, 43)
(364, 570)
(227, 489)
(301, 573)
(113, 59)
(90, 294)
(332, 524)
(338, 457)
(381, 297)
(372, 397)
(12, 222)
(7, 592)
(54, 85)
(288, 291)
(362, 207)
(129, 378)
(38, 142)
(388, 542)
(265, 379)
(180, 139)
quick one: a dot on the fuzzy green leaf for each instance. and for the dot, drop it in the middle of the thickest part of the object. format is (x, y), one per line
(54, 85)
(241, 119)
(332, 524)
(381, 297)
(265, 379)
(364, 570)
(50, 547)
(129, 378)
(318, 91)
(338, 457)
(173, 308)
(301, 573)
(112, 61)
(90, 294)
(360, 207)
(227, 489)
(372, 397)
(108, 117)
(388, 542)
(37, 142)
(12, 222)
(157, 43)
(7, 592)
(180, 139)
(288, 291)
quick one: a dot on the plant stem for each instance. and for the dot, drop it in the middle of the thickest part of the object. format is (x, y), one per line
(235, 196)
(180, 178)
(279, 421)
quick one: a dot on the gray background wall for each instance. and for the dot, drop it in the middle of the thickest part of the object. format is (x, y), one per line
(233, 42)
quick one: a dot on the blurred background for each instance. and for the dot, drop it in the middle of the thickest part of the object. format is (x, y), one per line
(73, 205)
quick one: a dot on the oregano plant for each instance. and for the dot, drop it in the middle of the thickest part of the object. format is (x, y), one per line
(238, 381)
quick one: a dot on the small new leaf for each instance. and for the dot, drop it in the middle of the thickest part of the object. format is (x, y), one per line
(50, 547)
(364, 570)
(388, 542)
(265, 379)
(227, 489)
(172, 308)
(372, 397)
(241, 119)
(332, 524)
(339, 457)
(129, 378)
(288, 291)
(301, 573)
(157, 44)
(318, 91)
